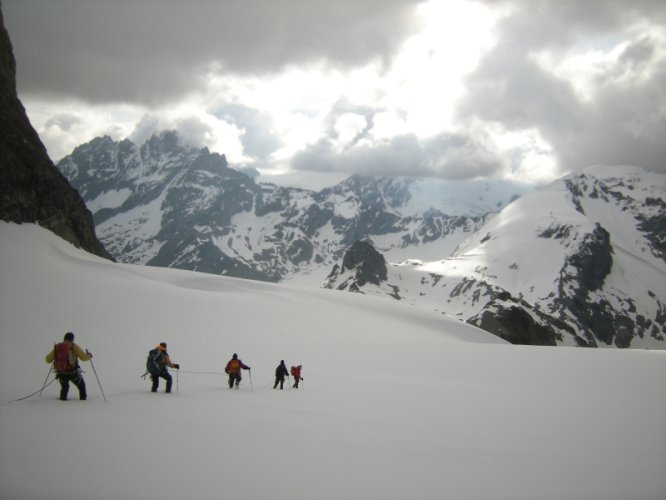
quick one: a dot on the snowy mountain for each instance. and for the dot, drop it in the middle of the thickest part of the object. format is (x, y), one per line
(580, 262)
(396, 402)
(166, 204)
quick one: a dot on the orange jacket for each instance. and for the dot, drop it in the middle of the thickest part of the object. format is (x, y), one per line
(165, 359)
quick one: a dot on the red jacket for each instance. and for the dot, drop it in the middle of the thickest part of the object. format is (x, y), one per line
(296, 371)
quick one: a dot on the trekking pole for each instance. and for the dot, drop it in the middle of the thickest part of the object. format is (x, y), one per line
(251, 386)
(98, 382)
(177, 387)
(47, 377)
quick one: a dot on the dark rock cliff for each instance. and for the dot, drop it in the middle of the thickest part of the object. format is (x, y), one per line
(365, 265)
(31, 188)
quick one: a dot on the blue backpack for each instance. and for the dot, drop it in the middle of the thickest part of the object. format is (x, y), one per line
(154, 364)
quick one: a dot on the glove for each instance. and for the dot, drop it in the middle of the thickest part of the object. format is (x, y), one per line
(176, 366)
(89, 353)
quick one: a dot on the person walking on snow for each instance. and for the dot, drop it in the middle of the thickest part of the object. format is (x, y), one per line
(233, 369)
(66, 356)
(280, 373)
(296, 373)
(158, 361)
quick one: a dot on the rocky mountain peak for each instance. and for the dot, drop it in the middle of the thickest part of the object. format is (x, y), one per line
(164, 203)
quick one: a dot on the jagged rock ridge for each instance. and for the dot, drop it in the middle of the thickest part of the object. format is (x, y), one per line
(166, 204)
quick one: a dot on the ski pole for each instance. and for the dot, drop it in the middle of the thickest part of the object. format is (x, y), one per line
(251, 386)
(95, 371)
(177, 387)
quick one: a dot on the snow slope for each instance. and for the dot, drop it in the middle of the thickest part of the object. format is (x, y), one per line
(587, 250)
(397, 402)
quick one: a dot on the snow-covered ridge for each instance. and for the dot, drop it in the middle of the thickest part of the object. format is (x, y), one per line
(582, 258)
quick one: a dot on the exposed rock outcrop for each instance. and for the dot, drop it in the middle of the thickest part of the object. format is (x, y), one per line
(361, 264)
(31, 188)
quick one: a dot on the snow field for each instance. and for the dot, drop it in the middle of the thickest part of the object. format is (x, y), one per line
(397, 402)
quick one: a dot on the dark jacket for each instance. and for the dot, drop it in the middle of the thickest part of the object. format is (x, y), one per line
(281, 371)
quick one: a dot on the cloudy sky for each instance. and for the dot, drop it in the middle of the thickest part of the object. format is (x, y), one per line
(455, 89)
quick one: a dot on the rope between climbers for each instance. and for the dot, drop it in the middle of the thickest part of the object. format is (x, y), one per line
(34, 393)
(202, 373)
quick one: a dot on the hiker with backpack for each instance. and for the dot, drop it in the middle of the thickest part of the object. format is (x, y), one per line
(156, 365)
(296, 373)
(233, 369)
(65, 357)
(280, 373)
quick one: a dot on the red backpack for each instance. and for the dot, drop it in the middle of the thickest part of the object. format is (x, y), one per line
(64, 357)
(234, 366)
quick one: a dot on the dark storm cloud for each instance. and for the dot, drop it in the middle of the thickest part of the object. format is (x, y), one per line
(448, 156)
(151, 50)
(625, 120)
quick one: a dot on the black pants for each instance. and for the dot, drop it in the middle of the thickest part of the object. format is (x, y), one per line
(296, 381)
(234, 378)
(74, 378)
(156, 381)
(279, 379)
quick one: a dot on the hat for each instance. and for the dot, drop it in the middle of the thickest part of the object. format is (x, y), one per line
(235, 356)
(69, 336)
(163, 344)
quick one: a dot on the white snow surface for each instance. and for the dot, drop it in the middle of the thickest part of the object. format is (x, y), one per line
(109, 199)
(397, 402)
